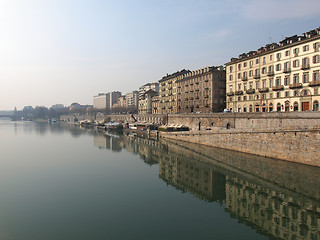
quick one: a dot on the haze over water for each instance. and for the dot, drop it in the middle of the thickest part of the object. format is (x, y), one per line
(71, 183)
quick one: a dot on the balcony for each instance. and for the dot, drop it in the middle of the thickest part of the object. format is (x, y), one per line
(278, 88)
(244, 78)
(262, 90)
(230, 94)
(270, 73)
(295, 85)
(256, 76)
(305, 66)
(287, 70)
(314, 83)
(250, 91)
(239, 92)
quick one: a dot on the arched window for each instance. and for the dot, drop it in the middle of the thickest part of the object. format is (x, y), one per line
(264, 109)
(278, 107)
(250, 108)
(257, 108)
(270, 107)
(316, 106)
(295, 106)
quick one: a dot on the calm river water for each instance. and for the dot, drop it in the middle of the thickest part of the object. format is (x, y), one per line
(65, 183)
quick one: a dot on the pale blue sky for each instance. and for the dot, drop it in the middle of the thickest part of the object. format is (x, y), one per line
(65, 51)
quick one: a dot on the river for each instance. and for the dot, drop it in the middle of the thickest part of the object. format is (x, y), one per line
(66, 182)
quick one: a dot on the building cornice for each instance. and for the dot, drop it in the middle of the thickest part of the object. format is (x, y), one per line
(274, 50)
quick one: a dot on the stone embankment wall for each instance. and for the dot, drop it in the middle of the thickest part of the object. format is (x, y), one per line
(252, 121)
(291, 145)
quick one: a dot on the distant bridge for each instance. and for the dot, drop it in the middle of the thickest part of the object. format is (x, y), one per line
(12, 117)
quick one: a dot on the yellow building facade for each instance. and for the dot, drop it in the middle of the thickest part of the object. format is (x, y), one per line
(278, 77)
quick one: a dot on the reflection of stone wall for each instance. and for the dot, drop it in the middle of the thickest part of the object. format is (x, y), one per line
(299, 178)
(273, 212)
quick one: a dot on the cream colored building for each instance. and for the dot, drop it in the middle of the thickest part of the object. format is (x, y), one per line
(145, 103)
(277, 77)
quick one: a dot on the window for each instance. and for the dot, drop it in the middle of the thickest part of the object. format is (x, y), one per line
(230, 77)
(306, 48)
(239, 66)
(245, 87)
(257, 61)
(305, 61)
(286, 80)
(278, 67)
(295, 93)
(250, 85)
(278, 81)
(250, 73)
(264, 60)
(239, 75)
(287, 93)
(270, 69)
(271, 95)
(245, 64)
(245, 75)
(244, 98)
(296, 63)
(278, 95)
(296, 78)
(278, 56)
(315, 76)
(239, 98)
(264, 83)
(256, 72)
(287, 65)
(230, 88)
(316, 59)
(231, 69)
(287, 53)
(305, 77)
(316, 46)
(270, 57)
(263, 96)
(251, 97)
(296, 51)
(239, 86)
(270, 83)
(264, 70)
(315, 91)
(257, 85)
(251, 63)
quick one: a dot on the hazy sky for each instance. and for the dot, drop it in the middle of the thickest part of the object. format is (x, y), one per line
(67, 51)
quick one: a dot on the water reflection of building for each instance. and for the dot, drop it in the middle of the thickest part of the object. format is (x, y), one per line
(192, 176)
(257, 196)
(275, 213)
(270, 209)
(108, 142)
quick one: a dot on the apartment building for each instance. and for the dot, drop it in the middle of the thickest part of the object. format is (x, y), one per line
(202, 90)
(145, 104)
(168, 93)
(132, 99)
(143, 89)
(106, 100)
(277, 77)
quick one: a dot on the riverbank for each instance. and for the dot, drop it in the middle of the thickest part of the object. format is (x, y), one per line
(293, 136)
